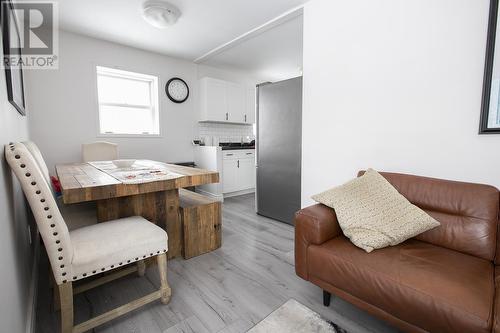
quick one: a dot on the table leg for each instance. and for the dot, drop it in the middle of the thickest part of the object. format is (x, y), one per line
(161, 208)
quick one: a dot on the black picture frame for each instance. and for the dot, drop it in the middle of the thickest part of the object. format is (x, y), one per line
(171, 97)
(488, 70)
(13, 75)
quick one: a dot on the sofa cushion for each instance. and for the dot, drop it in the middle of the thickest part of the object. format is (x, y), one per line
(468, 212)
(373, 214)
(431, 287)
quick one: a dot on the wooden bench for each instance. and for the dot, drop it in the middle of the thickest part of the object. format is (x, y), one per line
(201, 218)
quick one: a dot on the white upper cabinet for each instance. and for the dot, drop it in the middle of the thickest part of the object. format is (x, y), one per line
(250, 105)
(236, 103)
(213, 100)
(223, 101)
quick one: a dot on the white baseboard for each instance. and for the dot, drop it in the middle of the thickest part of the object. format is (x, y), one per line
(210, 194)
(33, 289)
(235, 194)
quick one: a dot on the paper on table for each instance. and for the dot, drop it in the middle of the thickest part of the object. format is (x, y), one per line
(140, 172)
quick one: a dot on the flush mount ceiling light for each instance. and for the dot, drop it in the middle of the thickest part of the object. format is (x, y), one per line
(160, 14)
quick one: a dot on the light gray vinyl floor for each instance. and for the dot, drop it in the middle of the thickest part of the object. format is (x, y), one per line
(226, 291)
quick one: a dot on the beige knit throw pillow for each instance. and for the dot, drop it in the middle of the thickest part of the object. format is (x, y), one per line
(372, 213)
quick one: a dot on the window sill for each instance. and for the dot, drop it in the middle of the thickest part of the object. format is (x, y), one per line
(151, 136)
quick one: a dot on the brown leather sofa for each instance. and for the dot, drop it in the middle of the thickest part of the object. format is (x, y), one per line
(444, 280)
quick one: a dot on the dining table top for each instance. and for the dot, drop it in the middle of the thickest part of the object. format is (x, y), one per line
(93, 181)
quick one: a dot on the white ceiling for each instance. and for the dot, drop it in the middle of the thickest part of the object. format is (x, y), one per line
(203, 26)
(275, 54)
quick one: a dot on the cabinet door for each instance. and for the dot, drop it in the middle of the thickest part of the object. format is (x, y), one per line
(246, 174)
(236, 102)
(215, 99)
(229, 176)
(250, 105)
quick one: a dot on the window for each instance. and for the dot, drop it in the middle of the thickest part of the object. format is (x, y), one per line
(128, 102)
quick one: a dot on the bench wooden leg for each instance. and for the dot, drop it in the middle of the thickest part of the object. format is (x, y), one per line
(66, 301)
(166, 292)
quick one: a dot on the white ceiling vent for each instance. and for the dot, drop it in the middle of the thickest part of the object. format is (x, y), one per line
(160, 14)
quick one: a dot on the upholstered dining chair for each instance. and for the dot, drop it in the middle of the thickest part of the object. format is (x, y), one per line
(99, 151)
(76, 215)
(81, 253)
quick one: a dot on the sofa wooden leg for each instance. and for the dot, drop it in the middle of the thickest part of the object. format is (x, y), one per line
(66, 301)
(166, 292)
(326, 298)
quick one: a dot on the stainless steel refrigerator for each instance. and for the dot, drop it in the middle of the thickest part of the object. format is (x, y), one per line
(279, 145)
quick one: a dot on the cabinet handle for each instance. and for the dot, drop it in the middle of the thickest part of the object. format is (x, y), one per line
(227, 116)
(245, 118)
(249, 153)
(238, 163)
(229, 154)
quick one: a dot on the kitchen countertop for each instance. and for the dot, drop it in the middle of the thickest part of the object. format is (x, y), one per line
(237, 148)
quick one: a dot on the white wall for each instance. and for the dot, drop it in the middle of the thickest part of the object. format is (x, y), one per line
(16, 254)
(396, 86)
(64, 107)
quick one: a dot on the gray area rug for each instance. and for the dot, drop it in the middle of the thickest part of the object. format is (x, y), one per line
(293, 317)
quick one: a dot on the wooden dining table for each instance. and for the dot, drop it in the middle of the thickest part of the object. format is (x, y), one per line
(156, 201)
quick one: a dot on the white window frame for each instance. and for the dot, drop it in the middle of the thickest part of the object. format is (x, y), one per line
(155, 109)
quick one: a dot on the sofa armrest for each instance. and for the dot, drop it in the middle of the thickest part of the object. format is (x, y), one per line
(314, 225)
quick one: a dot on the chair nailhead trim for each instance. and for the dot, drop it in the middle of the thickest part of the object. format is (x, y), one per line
(55, 234)
(17, 157)
(28, 174)
(60, 258)
(23, 166)
(46, 208)
(58, 241)
(33, 183)
(42, 200)
(52, 225)
(63, 274)
(113, 266)
(62, 266)
(38, 192)
(49, 216)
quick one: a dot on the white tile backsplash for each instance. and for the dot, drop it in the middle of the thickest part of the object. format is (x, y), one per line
(226, 132)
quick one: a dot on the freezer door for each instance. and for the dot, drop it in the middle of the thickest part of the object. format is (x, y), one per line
(279, 145)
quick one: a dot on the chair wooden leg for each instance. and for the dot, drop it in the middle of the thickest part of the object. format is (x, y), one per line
(166, 292)
(66, 301)
(141, 268)
(56, 300)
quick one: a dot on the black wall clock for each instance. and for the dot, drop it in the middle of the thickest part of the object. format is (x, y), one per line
(177, 90)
